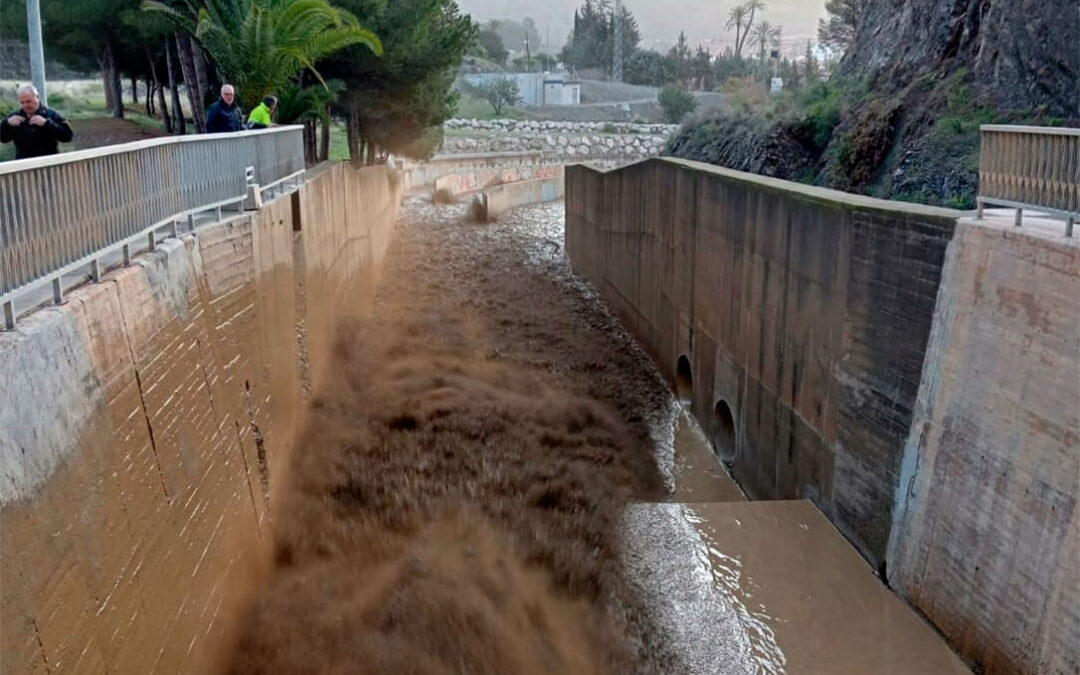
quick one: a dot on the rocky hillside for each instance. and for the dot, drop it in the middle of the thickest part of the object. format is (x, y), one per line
(900, 118)
(1021, 55)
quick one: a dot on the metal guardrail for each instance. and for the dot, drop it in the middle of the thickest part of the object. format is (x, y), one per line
(1034, 168)
(64, 212)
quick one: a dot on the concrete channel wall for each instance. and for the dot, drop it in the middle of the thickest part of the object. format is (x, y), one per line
(921, 388)
(420, 174)
(987, 536)
(148, 421)
(494, 202)
(467, 181)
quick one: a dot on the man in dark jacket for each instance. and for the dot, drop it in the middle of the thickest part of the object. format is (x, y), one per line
(224, 115)
(36, 130)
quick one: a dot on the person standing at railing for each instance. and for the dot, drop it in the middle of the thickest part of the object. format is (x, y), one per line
(36, 130)
(262, 116)
(224, 115)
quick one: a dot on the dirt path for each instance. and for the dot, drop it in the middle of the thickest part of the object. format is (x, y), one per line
(455, 506)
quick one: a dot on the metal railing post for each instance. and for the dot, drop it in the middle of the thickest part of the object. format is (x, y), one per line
(9, 315)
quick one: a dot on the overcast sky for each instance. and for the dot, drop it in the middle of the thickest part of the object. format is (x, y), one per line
(660, 20)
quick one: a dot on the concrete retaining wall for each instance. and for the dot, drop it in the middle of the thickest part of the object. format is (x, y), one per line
(473, 180)
(927, 402)
(805, 311)
(987, 535)
(147, 422)
(420, 174)
(494, 202)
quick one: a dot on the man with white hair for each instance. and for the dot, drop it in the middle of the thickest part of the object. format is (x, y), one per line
(224, 115)
(35, 129)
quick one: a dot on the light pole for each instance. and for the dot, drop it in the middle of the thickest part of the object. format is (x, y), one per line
(616, 67)
(37, 53)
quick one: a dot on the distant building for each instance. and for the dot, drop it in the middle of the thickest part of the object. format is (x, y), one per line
(536, 88)
(561, 91)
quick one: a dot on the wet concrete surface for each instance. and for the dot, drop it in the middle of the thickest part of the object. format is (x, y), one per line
(501, 482)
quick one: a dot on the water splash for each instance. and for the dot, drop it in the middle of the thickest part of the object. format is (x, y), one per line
(727, 573)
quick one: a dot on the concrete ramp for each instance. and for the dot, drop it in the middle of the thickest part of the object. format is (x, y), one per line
(764, 587)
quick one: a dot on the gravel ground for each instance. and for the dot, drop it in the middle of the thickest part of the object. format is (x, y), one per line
(457, 504)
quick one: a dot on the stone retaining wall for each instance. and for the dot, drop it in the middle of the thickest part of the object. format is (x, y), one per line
(556, 127)
(567, 141)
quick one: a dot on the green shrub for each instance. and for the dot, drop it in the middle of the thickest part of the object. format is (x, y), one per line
(964, 202)
(677, 103)
(823, 108)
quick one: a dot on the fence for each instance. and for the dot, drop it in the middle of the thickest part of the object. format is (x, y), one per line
(66, 211)
(1031, 168)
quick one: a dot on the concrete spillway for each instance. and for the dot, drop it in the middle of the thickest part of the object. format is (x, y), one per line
(288, 445)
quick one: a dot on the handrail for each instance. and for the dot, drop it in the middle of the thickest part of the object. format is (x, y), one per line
(61, 212)
(1024, 167)
(101, 151)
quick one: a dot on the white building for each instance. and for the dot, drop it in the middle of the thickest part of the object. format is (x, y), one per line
(536, 88)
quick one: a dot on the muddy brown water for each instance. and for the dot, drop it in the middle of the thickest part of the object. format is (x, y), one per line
(499, 481)
(455, 505)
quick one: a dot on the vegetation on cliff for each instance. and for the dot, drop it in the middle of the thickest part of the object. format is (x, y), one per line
(903, 123)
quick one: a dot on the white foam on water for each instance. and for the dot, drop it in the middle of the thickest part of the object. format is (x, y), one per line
(727, 573)
(663, 424)
(698, 596)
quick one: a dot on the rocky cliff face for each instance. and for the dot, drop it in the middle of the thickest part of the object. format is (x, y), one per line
(927, 73)
(1020, 54)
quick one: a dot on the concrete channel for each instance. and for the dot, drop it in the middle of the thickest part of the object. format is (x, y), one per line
(764, 587)
(352, 432)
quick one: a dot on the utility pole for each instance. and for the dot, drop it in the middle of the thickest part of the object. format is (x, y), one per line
(37, 53)
(616, 67)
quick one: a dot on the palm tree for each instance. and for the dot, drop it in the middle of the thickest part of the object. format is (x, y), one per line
(736, 19)
(765, 34)
(752, 6)
(310, 106)
(260, 45)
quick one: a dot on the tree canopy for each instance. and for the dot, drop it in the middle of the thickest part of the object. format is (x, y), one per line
(394, 99)
(592, 41)
(490, 38)
(837, 29)
(260, 45)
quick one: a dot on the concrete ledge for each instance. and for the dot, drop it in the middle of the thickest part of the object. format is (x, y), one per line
(421, 174)
(465, 181)
(792, 189)
(491, 204)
